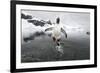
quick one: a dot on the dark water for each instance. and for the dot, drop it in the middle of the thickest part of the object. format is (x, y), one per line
(76, 47)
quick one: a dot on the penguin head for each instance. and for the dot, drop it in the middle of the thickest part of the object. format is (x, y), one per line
(58, 20)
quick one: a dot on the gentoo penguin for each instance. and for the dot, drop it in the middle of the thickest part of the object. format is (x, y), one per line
(56, 35)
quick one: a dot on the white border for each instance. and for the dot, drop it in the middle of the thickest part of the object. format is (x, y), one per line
(20, 65)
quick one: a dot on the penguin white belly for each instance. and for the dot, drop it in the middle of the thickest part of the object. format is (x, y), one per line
(56, 33)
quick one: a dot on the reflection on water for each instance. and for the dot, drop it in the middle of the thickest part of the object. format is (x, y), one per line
(75, 47)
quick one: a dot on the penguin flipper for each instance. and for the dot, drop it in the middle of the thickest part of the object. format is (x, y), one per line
(63, 31)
